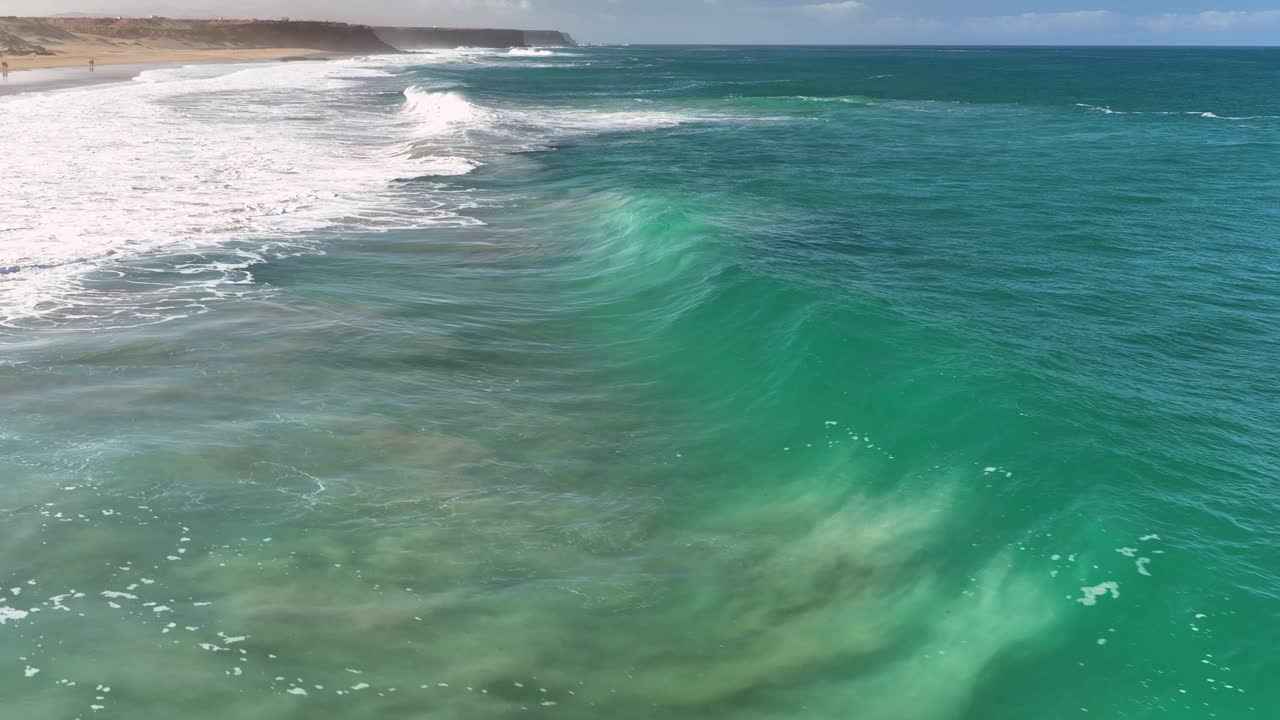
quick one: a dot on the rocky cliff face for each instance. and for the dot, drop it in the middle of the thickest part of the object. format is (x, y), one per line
(336, 37)
(548, 38)
(421, 38)
(46, 36)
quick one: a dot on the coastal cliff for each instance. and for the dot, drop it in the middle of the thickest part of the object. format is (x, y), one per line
(36, 42)
(50, 33)
(550, 38)
(419, 38)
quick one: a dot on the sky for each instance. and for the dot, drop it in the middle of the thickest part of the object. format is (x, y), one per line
(1035, 22)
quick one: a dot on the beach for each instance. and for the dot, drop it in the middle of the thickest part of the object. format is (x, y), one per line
(79, 55)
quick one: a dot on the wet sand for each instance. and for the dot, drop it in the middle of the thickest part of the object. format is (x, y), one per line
(63, 77)
(79, 56)
(57, 77)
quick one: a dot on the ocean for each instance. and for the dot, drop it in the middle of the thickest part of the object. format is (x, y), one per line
(645, 382)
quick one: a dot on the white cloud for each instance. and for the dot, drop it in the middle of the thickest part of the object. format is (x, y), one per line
(1040, 22)
(501, 5)
(1212, 20)
(832, 9)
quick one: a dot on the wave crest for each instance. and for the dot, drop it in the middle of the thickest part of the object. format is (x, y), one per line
(530, 52)
(445, 120)
(440, 111)
(1106, 110)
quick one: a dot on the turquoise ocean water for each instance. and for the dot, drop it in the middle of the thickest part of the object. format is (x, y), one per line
(888, 384)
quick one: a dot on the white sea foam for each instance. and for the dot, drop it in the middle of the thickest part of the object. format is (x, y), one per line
(146, 201)
(455, 56)
(462, 51)
(847, 99)
(439, 113)
(457, 134)
(216, 167)
(1091, 594)
(487, 56)
(1196, 113)
(442, 111)
(1100, 108)
(8, 613)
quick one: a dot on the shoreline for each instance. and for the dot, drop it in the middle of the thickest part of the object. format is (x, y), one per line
(61, 75)
(151, 56)
(59, 78)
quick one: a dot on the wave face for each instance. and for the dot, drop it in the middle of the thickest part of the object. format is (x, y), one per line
(752, 383)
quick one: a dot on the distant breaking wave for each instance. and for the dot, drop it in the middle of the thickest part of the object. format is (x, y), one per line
(1106, 110)
(445, 121)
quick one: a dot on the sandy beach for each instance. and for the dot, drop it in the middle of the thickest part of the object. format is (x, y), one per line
(80, 55)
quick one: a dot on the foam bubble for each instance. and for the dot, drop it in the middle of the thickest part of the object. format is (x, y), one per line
(8, 613)
(1091, 594)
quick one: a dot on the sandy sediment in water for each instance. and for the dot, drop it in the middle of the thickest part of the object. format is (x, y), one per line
(29, 43)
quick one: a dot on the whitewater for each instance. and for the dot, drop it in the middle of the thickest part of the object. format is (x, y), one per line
(209, 170)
